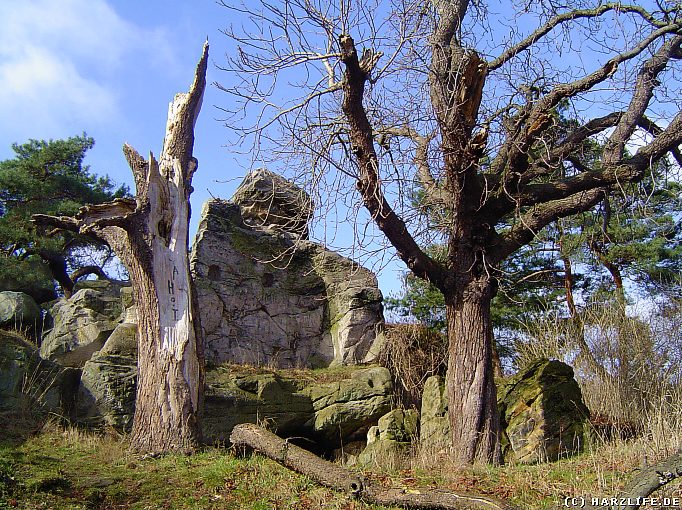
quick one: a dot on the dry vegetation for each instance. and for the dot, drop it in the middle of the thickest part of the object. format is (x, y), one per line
(49, 466)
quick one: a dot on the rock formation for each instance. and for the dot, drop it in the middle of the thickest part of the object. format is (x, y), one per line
(327, 414)
(83, 323)
(19, 311)
(542, 414)
(267, 296)
(393, 435)
(108, 386)
(434, 422)
(29, 383)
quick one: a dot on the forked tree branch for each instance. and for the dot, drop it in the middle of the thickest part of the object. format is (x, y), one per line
(369, 184)
(538, 217)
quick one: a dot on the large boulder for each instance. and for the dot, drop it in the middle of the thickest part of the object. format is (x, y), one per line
(345, 407)
(108, 384)
(268, 299)
(542, 413)
(19, 311)
(29, 384)
(82, 324)
(327, 414)
(270, 202)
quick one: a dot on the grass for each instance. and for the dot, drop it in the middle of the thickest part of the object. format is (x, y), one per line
(66, 468)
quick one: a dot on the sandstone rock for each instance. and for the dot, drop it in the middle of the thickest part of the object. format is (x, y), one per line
(82, 324)
(434, 422)
(270, 202)
(107, 391)
(329, 414)
(392, 436)
(31, 384)
(232, 398)
(265, 300)
(19, 311)
(344, 407)
(542, 413)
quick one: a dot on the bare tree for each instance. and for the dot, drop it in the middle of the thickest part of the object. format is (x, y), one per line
(457, 105)
(150, 234)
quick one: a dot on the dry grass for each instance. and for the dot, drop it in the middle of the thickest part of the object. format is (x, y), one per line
(413, 353)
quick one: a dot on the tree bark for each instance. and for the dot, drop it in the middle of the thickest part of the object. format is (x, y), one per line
(150, 236)
(470, 384)
(334, 476)
(57, 264)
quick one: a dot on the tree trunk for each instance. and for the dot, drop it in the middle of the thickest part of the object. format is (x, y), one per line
(149, 235)
(57, 264)
(472, 396)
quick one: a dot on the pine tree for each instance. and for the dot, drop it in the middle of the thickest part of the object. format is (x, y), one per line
(47, 177)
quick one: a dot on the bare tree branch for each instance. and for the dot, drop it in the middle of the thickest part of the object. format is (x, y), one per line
(526, 43)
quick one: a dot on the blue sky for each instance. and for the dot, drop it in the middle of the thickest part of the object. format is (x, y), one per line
(110, 68)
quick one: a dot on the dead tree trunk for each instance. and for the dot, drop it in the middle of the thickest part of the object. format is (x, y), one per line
(334, 476)
(149, 235)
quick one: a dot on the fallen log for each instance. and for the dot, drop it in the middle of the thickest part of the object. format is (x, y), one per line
(638, 491)
(338, 478)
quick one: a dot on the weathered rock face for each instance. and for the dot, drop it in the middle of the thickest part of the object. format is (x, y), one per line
(434, 422)
(20, 311)
(393, 435)
(108, 385)
(271, 203)
(329, 413)
(267, 299)
(542, 413)
(83, 323)
(29, 383)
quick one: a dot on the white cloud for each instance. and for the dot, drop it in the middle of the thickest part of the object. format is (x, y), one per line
(58, 61)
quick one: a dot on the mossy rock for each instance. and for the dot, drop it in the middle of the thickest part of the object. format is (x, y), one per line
(108, 386)
(327, 413)
(434, 421)
(542, 413)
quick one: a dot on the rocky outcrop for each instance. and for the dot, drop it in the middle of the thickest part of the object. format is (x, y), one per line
(31, 384)
(82, 324)
(393, 435)
(108, 385)
(542, 413)
(19, 311)
(271, 203)
(266, 297)
(327, 414)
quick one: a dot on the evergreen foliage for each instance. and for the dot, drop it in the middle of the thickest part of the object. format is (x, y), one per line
(45, 177)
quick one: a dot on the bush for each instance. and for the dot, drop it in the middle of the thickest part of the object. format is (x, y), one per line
(413, 353)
